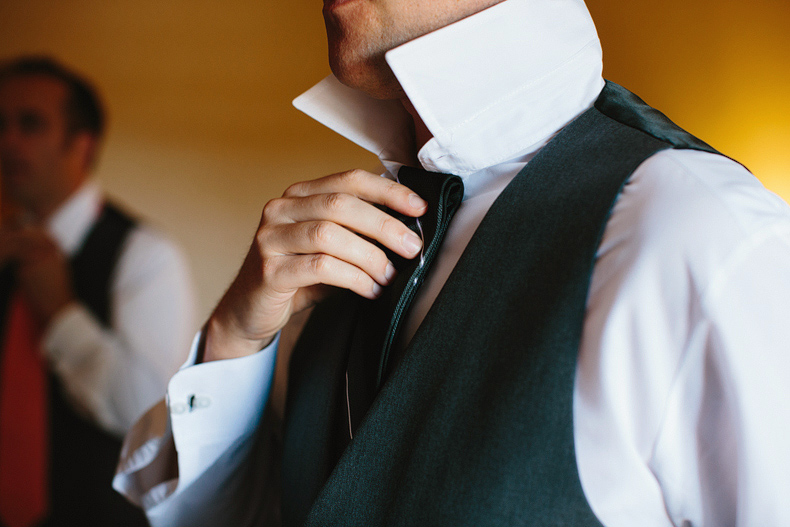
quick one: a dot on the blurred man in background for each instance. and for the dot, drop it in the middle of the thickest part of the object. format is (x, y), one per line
(95, 308)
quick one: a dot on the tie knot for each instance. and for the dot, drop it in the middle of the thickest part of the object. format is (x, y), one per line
(443, 193)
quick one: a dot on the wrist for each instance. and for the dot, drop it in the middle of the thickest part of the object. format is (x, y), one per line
(50, 313)
(223, 341)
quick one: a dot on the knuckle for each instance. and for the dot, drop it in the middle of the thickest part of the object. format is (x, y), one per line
(392, 190)
(376, 259)
(297, 189)
(360, 280)
(320, 233)
(334, 201)
(388, 225)
(352, 177)
(261, 239)
(269, 270)
(272, 209)
(319, 264)
(393, 186)
(372, 258)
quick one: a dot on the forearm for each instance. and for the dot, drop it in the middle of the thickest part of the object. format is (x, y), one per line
(101, 373)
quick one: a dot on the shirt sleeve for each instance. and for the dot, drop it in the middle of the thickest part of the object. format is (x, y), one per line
(722, 456)
(202, 458)
(113, 374)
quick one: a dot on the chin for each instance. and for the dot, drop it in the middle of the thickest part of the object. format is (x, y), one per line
(371, 75)
(356, 57)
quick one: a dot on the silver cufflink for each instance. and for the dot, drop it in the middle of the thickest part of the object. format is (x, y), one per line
(193, 403)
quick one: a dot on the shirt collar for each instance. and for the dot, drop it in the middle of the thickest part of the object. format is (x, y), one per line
(490, 88)
(71, 222)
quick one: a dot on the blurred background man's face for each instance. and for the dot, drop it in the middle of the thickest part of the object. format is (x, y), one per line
(359, 32)
(36, 159)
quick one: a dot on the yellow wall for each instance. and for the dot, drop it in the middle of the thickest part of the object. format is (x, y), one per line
(719, 68)
(202, 132)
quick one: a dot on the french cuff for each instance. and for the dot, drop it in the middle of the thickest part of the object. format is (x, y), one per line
(147, 458)
(210, 407)
(71, 334)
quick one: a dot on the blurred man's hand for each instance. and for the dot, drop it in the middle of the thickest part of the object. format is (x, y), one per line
(43, 273)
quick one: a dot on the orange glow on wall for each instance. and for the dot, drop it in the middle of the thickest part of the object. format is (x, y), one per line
(720, 69)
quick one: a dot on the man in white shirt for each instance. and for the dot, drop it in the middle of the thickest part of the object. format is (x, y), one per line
(111, 300)
(679, 397)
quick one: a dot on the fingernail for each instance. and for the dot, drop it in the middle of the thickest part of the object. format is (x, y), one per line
(389, 272)
(417, 202)
(377, 289)
(411, 242)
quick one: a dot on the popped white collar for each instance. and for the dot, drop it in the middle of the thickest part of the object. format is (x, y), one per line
(490, 88)
(71, 222)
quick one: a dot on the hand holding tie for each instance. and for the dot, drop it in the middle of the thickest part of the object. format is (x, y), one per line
(42, 270)
(319, 233)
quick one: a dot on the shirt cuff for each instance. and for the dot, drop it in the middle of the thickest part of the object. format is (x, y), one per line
(214, 404)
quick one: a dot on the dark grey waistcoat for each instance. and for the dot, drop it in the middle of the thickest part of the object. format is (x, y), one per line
(475, 425)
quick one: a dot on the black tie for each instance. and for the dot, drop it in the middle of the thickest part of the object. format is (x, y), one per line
(371, 350)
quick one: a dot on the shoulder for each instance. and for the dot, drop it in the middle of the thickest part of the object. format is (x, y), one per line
(147, 250)
(695, 193)
(685, 337)
(691, 212)
(691, 177)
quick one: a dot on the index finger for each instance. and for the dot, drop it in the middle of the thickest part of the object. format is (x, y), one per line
(367, 186)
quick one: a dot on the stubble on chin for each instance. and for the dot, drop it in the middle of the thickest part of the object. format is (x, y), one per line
(356, 58)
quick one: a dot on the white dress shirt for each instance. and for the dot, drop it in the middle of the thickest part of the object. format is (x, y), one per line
(115, 374)
(681, 403)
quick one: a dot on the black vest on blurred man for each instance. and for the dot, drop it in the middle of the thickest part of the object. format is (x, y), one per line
(82, 456)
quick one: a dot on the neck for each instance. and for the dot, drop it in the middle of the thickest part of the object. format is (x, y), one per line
(46, 205)
(421, 133)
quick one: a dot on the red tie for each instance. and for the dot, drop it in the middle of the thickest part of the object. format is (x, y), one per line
(24, 489)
